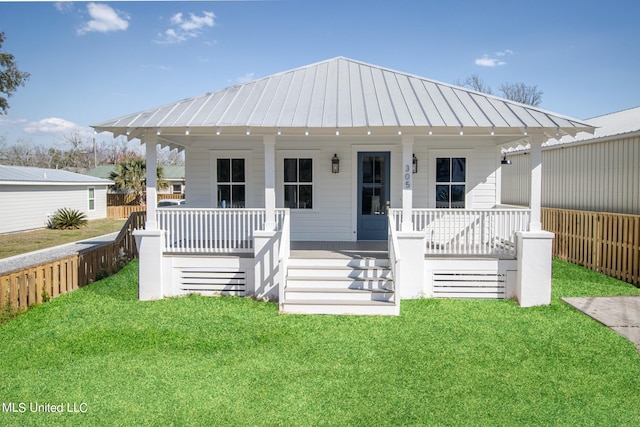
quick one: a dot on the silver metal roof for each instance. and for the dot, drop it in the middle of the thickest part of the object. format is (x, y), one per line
(612, 125)
(341, 93)
(25, 174)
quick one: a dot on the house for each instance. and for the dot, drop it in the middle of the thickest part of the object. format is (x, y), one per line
(31, 195)
(344, 187)
(592, 172)
(173, 174)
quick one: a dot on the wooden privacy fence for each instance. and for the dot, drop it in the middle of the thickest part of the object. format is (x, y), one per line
(129, 199)
(605, 242)
(117, 212)
(37, 284)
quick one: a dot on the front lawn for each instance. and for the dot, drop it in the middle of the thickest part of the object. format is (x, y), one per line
(235, 361)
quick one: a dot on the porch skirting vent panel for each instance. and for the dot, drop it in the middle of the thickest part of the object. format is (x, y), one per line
(211, 281)
(469, 284)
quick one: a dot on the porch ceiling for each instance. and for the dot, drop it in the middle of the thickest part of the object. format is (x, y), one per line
(345, 97)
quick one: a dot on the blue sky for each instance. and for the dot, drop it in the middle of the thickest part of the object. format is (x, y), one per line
(93, 61)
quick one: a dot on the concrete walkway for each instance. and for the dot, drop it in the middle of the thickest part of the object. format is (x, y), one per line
(621, 314)
(29, 259)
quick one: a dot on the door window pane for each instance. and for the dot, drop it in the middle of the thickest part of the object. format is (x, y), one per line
(367, 169)
(442, 196)
(457, 196)
(305, 197)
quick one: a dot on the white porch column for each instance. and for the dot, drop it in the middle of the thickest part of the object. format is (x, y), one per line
(150, 141)
(270, 181)
(535, 200)
(407, 182)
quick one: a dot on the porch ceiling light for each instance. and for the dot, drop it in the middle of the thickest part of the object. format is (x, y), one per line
(399, 130)
(505, 161)
(248, 130)
(337, 131)
(306, 131)
(430, 130)
(368, 130)
(493, 130)
(461, 130)
(415, 164)
(335, 164)
(186, 131)
(218, 131)
(279, 131)
(158, 131)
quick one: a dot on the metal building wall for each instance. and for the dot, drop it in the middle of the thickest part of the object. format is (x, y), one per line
(602, 176)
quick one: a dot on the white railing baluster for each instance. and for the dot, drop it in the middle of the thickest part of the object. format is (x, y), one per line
(466, 231)
(190, 230)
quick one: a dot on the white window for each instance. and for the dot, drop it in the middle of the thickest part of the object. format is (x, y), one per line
(451, 179)
(92, 198)
(176, 188)
(298, 183)
(231, 181)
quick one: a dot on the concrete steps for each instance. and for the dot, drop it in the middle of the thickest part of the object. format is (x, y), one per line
(339, 286)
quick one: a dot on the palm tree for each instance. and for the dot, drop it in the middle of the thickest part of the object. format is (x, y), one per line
(130, 176)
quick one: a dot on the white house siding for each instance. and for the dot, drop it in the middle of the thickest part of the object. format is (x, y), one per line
(601, 176)
(27, 207)
(333, 216)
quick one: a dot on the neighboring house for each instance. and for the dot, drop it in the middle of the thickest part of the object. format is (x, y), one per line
(290, 177)
(173, 174)
(30, 195)
(592, 172)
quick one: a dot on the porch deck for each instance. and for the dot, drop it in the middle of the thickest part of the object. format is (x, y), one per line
(362, 249)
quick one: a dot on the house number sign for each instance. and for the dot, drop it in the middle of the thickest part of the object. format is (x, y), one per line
(407, 177)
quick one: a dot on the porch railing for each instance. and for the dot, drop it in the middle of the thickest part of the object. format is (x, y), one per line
(468, 232)
(193, 230)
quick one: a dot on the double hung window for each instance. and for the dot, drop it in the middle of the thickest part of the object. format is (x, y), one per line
(451, 177)
(298, 183)
(231, 183)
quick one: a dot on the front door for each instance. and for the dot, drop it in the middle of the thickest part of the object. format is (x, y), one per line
(373, 194)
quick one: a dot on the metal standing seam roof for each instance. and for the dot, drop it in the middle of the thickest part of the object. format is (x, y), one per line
(343, 93)
(610, 125)
(26, 174)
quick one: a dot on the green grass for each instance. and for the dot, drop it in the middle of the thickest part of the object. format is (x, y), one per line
(234, 361)
(20, 243)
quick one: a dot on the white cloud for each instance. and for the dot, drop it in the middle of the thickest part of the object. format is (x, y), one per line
(104, 19)
(184, 29)
(485, 61)
(53, 125)
(495, 60)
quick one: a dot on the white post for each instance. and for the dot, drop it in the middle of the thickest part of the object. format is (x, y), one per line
(535, 200)
(150, 141)
(407, 182)
(499, 166)
(270, 182)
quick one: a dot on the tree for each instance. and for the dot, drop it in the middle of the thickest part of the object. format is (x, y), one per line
(520, 92)
(130, 176)
(475, 82)
(517, 92)
(10, 77)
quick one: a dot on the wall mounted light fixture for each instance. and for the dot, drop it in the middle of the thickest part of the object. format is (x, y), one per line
(335, 164)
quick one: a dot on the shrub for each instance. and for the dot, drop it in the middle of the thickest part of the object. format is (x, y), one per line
(67, 219)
